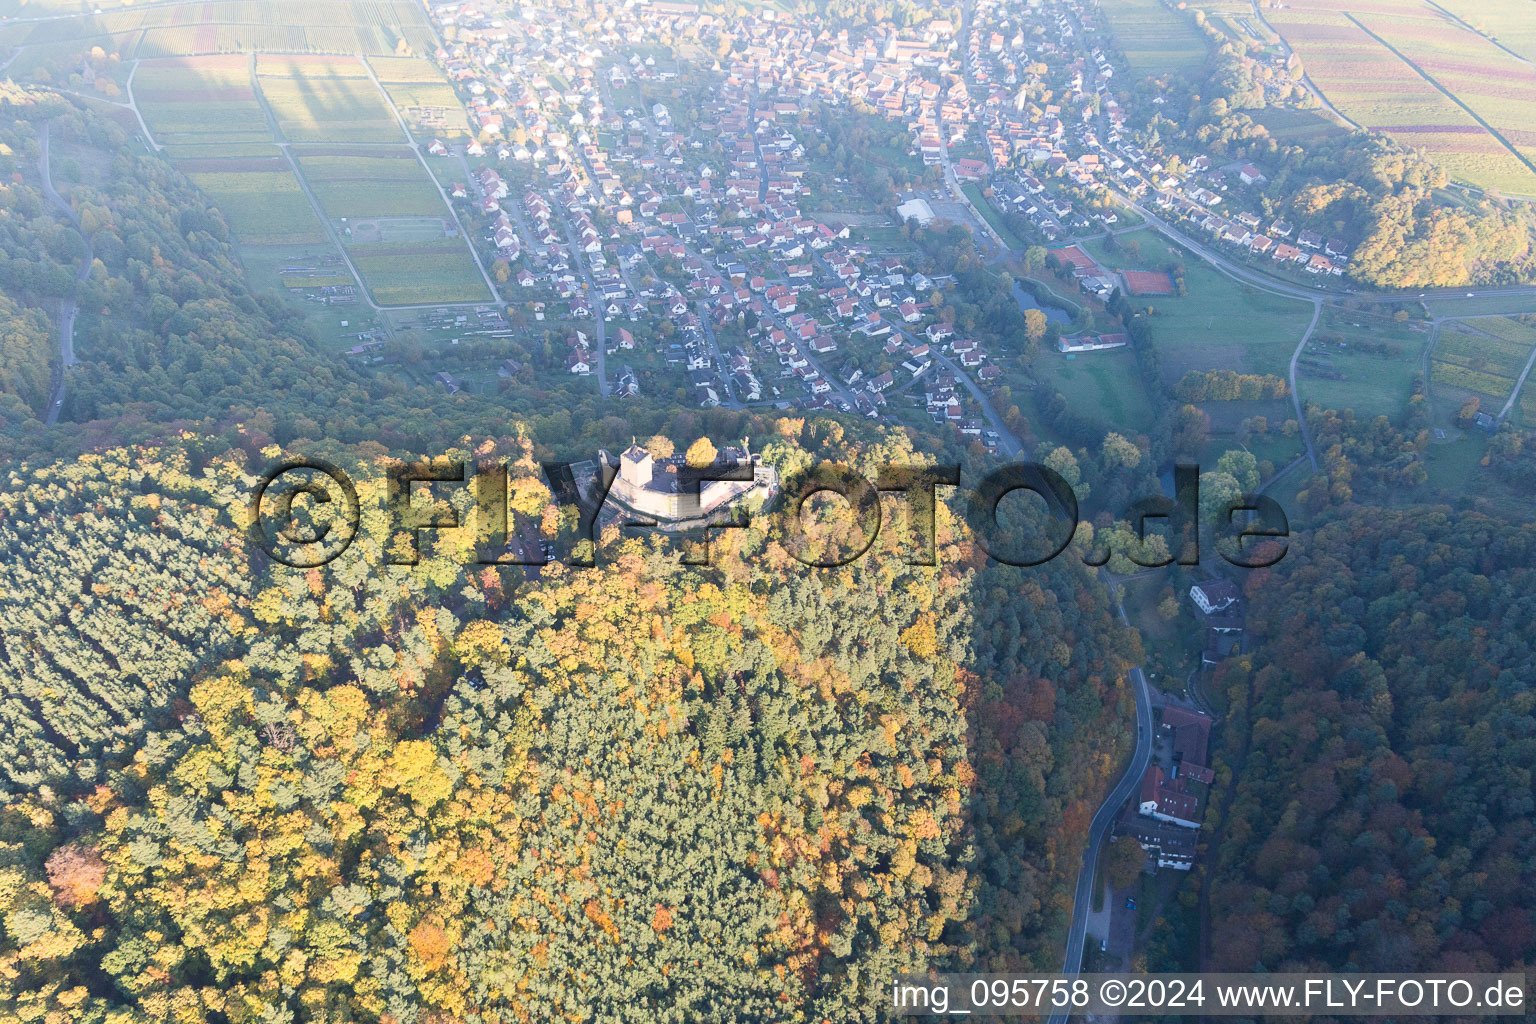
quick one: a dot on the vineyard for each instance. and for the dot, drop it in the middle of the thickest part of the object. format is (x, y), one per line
(1408, 70)
(1484, 357)
(373, 183)
(326, 100)
(205, 112)
(234, 26)
(1154, 37)
(422, 95)
(265, 207)
(410, 273)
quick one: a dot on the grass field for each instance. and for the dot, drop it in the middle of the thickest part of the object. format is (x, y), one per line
(973, 192)
(325, 99)
(1102, 386)
(1219, 324)
(1155, 38)
(1347, 376)
(371, 183)
(271, 268)
(408, 273)
(1410, 70)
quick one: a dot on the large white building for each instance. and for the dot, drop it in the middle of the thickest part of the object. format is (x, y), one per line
(916, 209)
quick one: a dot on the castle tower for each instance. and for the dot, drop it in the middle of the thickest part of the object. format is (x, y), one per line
(636, 466)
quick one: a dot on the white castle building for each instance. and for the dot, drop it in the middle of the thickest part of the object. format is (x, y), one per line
(663, 489)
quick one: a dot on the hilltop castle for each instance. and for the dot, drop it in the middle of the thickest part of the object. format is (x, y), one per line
(664, 489)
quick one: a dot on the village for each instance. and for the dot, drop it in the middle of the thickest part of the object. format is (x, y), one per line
(679, 243)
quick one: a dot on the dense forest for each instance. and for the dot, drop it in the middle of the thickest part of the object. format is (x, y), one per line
(453, 792)
(1382, 739)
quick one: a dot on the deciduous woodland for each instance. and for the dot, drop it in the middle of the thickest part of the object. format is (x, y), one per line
(637, 792)
(1382, 740)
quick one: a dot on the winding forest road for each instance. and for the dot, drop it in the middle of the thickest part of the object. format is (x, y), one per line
(69, 305)
(1103, 823)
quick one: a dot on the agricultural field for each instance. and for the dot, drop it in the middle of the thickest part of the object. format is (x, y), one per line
(369, 183)
(260, 197)
(229, 26)
(205, 113)
(1404, 68)
(1362, 362)
(1498, 89)
(423, 97)
(1155, 38)
(203, 106)
(411, 273)
(1508, 22)
(1481, 357)
(325, 99)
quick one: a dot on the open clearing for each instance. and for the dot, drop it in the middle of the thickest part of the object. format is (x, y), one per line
(1102, 386)
(1361, 362)
(282, 269)
(1219, 324)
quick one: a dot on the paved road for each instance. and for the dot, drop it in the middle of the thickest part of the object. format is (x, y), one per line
(1103, 822)
(68, 308)
(1275, 286)
(1301, 417)
(594, 299)
(707, 325)
(93, 97)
